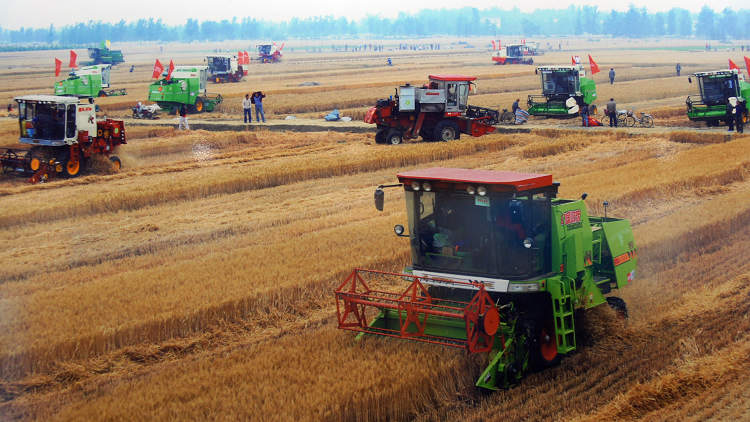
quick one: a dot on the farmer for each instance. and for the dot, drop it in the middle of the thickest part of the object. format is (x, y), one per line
(183, 119)
(515, 105)
(258, 97)
(611, 75)
(678, 68)
(741, 110)
(612, 112)
(731, 112)
(247, 106)
(585, 115)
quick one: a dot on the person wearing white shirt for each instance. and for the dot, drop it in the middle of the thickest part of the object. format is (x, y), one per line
(247, 105)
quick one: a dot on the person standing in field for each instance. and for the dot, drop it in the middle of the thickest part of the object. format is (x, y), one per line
(611, 75)
(731, 112)
(515, 105)
(183, 119)
(612, 112)
(258, 97)
(741, 110)
(247, 106)
(585, 115)
(678, 68)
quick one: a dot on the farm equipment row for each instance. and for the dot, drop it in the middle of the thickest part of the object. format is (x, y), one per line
(64, 135)
(500, 265)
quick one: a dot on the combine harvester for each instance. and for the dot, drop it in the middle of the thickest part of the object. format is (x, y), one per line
(266, 56)
(438, 111)
(186, 85)
(564, 90)
(225, 68)
(500, 265)
(715, 90)
(514, 54)
(64, 134)
(103, 55)
(88, 81)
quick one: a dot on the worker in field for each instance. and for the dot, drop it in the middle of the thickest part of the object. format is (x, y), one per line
(678, 68)
(612, 112)
(247, 106)
(585, 115)
(183, 119)
(741, 110)
(515, 105)
(258, 97)
(731, 112)
(611, 75)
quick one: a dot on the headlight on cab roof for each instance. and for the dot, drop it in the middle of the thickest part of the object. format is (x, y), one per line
(523, 287)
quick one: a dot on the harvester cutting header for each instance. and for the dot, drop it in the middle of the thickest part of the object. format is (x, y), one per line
(438, 111)
(499, 265)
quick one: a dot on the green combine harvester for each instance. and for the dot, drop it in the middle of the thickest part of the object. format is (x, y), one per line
(715, 89)
(186, 86)
(500, 265)
(103, 55)
(88, 81)
(564, 90)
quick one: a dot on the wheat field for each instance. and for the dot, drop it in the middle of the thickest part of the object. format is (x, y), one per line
(197, 282)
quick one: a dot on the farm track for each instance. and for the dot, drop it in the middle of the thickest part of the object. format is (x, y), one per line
(197, 283)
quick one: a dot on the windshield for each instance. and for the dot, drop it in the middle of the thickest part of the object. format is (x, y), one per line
(514, 51)
(716, 89)
(452, 231)
(565, 82)
(42, 121)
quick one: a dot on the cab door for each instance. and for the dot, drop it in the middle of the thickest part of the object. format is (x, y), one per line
(451, 97)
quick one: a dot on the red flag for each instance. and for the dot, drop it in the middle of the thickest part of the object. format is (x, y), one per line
(158, 68)
(594, 66)
(247, 58)
(733, 65)
(572, 60)
(493, 45)
(747, 64)
(73, 57)
(58, 66)
(170, 70)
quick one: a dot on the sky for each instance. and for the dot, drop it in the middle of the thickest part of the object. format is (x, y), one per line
(40, 13)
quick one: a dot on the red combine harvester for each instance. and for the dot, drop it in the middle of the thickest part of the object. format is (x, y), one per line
(438, 111)
(64, 134)
(266, 56)
(514, 54)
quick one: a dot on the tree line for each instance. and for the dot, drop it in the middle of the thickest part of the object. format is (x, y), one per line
(575, 20)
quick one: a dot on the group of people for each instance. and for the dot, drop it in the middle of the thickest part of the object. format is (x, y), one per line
(256, 99)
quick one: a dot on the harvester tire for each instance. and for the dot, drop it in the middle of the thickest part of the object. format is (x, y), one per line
(116, 163)
(394, 137)
(72, 168)
(198, 106)
(446, 130)
(102, 93)
(619, 306)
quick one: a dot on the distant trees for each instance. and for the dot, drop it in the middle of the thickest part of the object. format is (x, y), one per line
(466, 21)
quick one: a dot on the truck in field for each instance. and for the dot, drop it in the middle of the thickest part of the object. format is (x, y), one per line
(715, 88)
(88, 81)
(186, 86)
(564, 90)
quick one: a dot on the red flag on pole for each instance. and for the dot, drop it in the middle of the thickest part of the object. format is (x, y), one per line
(733, 65)
(747, 65)
(158, 68)
(247, 58)
(73, 57)
(594, 66)
(493, 45)
(58, 66)
(572, 60)
(240, 58)
(170, 70)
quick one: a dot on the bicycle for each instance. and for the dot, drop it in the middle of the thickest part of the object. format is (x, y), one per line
(645, 120)
(625, 118)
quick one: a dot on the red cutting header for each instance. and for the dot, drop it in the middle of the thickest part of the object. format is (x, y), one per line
(520, 181)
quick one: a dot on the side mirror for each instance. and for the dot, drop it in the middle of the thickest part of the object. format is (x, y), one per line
(584, 196)
(690, 80)
(379, 198)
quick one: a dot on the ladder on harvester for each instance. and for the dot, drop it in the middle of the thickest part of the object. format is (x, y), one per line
(562, 312)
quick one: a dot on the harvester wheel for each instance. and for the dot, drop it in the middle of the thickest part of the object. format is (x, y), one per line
(72, 168)
(394, 137)
(102, 93)
(619, 306)
(548, 347)
(380, 136)
(198, 106)
(446, 131)
(116, 163)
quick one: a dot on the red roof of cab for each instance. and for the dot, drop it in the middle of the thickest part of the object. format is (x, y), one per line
(519, 181)
(453, 78)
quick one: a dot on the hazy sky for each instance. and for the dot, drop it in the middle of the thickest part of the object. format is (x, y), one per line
(40, 13)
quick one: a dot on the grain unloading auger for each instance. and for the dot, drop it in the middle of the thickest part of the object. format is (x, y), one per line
(500, 265)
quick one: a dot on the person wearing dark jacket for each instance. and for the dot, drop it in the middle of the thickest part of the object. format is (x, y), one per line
(741, 110)
(183, 119)
(678, 68)
(611, 75)
(731, 112)
(258, 97)
(612, 112)
(515, 105)
(585, 115)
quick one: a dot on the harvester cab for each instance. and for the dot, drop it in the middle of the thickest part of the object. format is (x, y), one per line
(88, 81)
(715, 88)
(438, 110)
(63, 133)
(186, 86)
(224, 68)
(499, 265)
(564, 90)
